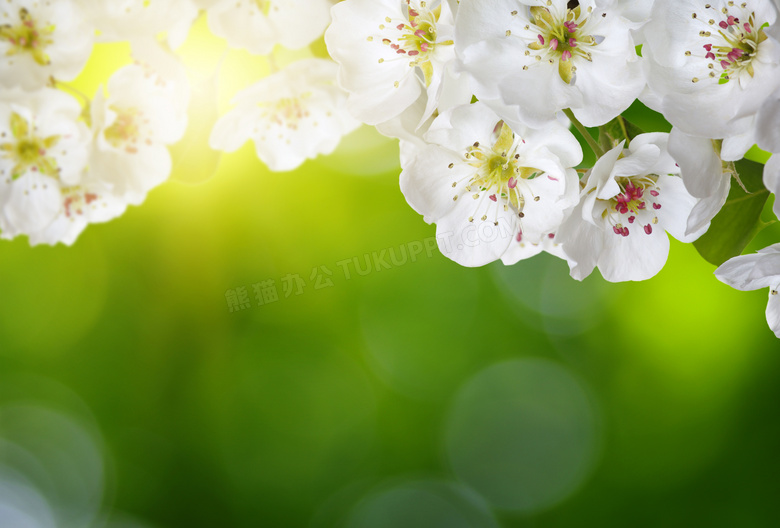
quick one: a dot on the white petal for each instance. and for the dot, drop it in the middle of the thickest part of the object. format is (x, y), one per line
(459, 128)
(767, 131)
(677, 206)
(735, 147)
(773, 313)
(31, 203)
(427, 181)
(520, 250)
(407, 125)
(703, 176)
(612, 75)
(474, 244)
(636, 257)
(640, 161)
(751, 272)
(128, 20)
(234, 129)
(772, 180)
(132, 176)
(602, 176)
(582, 242)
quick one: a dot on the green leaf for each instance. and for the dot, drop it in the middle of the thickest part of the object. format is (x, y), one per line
(617, 130)
(740, 219)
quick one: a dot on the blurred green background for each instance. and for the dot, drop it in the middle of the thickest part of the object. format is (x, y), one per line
(425, 395)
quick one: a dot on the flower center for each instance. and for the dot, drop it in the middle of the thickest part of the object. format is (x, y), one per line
(126, 129)
(637, 204)
(731, 42)
(287, 111)
(29, 152)
(27, 37)
(561, 39)
(76, 200)
(498, 174)
(414, 37)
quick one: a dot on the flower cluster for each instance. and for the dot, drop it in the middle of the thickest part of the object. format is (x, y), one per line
(68, 160)
(299, 111)
(65, 162)
(492, 101)
(482, 94)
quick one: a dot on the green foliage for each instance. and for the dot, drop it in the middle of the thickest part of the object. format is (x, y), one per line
(739, 221)
(617, 130)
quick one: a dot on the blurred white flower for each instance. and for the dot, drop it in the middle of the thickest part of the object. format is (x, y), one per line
(43, 147)
(711, 65)
(292, 115)
(45, 190)
(582, 58)
(754, 272)
(133, 125)
(259, 25)
(40, 40)
(90, 202)
(168, 70)
(119, 20)
(484, 184)
(631, 198)
(390, 52)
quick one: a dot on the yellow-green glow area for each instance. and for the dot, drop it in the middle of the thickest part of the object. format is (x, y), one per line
(417, 389)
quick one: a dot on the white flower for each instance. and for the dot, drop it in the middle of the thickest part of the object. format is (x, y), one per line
(258, 25)
(772, 180)
(631, 198)
(582, 58)
(40, 40)
(45, 191)
(390, 52)
(292, 115)
(754, 272)
(90, 202)
(711, 66)
(131, 19)
(703, 174)
(483, 183)
(133, 126)
(42, 147)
